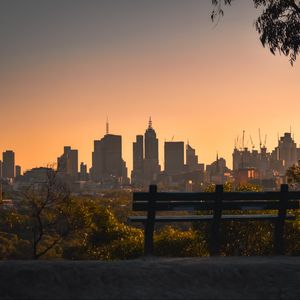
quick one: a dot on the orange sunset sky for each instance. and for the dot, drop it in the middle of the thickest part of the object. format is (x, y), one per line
(66, 65)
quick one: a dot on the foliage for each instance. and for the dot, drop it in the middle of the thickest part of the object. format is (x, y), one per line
(293, 176)
(100, 235)
(95, 233)
(12, 247)
(251, 237)
(229, 187)
(173, 242)
(278, 24)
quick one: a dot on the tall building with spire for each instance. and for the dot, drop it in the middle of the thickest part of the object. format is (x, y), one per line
(151, 162)
(145, 158)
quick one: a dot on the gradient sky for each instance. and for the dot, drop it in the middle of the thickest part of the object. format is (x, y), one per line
(66, 65)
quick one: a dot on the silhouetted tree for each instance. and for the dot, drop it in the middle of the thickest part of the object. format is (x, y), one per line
(278, 24)
(47, 205)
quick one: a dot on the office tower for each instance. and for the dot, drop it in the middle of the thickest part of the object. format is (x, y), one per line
(0, 169)
(174, 157)
(192, 160)
(107, 162)
(138, 161)
(287, 150)
(67, 163)
(18, 171)
(151, 165)
(8, 164)
(83, 175)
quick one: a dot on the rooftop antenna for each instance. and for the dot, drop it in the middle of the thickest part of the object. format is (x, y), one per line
(150, 123)
(243, 143)
(107, 126)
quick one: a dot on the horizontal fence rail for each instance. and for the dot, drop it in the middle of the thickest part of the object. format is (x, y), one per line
(226, 196)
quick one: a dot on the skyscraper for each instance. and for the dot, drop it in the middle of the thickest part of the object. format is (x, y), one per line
(174, 157)
(287, 150)
(192, 160)
(18, 171)
(107, 162)
(83, 175)
(67, 163)
(8, 165)
(138, 161)
(151, 164)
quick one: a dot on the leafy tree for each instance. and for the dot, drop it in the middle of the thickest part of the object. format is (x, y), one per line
(99, 235)
(177, 243)
(278, 24)
(293, 175)
(240, 238)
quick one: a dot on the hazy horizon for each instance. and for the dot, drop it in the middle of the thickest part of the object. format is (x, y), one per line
(67, 65)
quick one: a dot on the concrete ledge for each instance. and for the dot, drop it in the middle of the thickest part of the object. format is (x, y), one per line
(190, 278)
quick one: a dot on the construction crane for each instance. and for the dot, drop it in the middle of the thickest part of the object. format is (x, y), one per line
(259, 135)
(265, 141)
(253, 146)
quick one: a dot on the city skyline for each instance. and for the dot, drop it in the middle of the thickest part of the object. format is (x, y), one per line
(199, 81)
(236, 145)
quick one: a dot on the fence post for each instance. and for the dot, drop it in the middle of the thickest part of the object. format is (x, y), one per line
(215, 230)
(279, 223)
(149, 226)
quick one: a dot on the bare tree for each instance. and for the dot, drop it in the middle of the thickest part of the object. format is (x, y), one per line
(47, 203)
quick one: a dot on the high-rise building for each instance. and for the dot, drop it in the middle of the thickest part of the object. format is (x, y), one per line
(107, 162)
(18, 171)
(83, 175)
(8, 164)
(174, 157)
(151, 163)
(138, 161)
(67, 163)
(287, 150)
(192, 160)
(0, 169)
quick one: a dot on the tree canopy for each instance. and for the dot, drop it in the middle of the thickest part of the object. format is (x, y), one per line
(278, 24)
